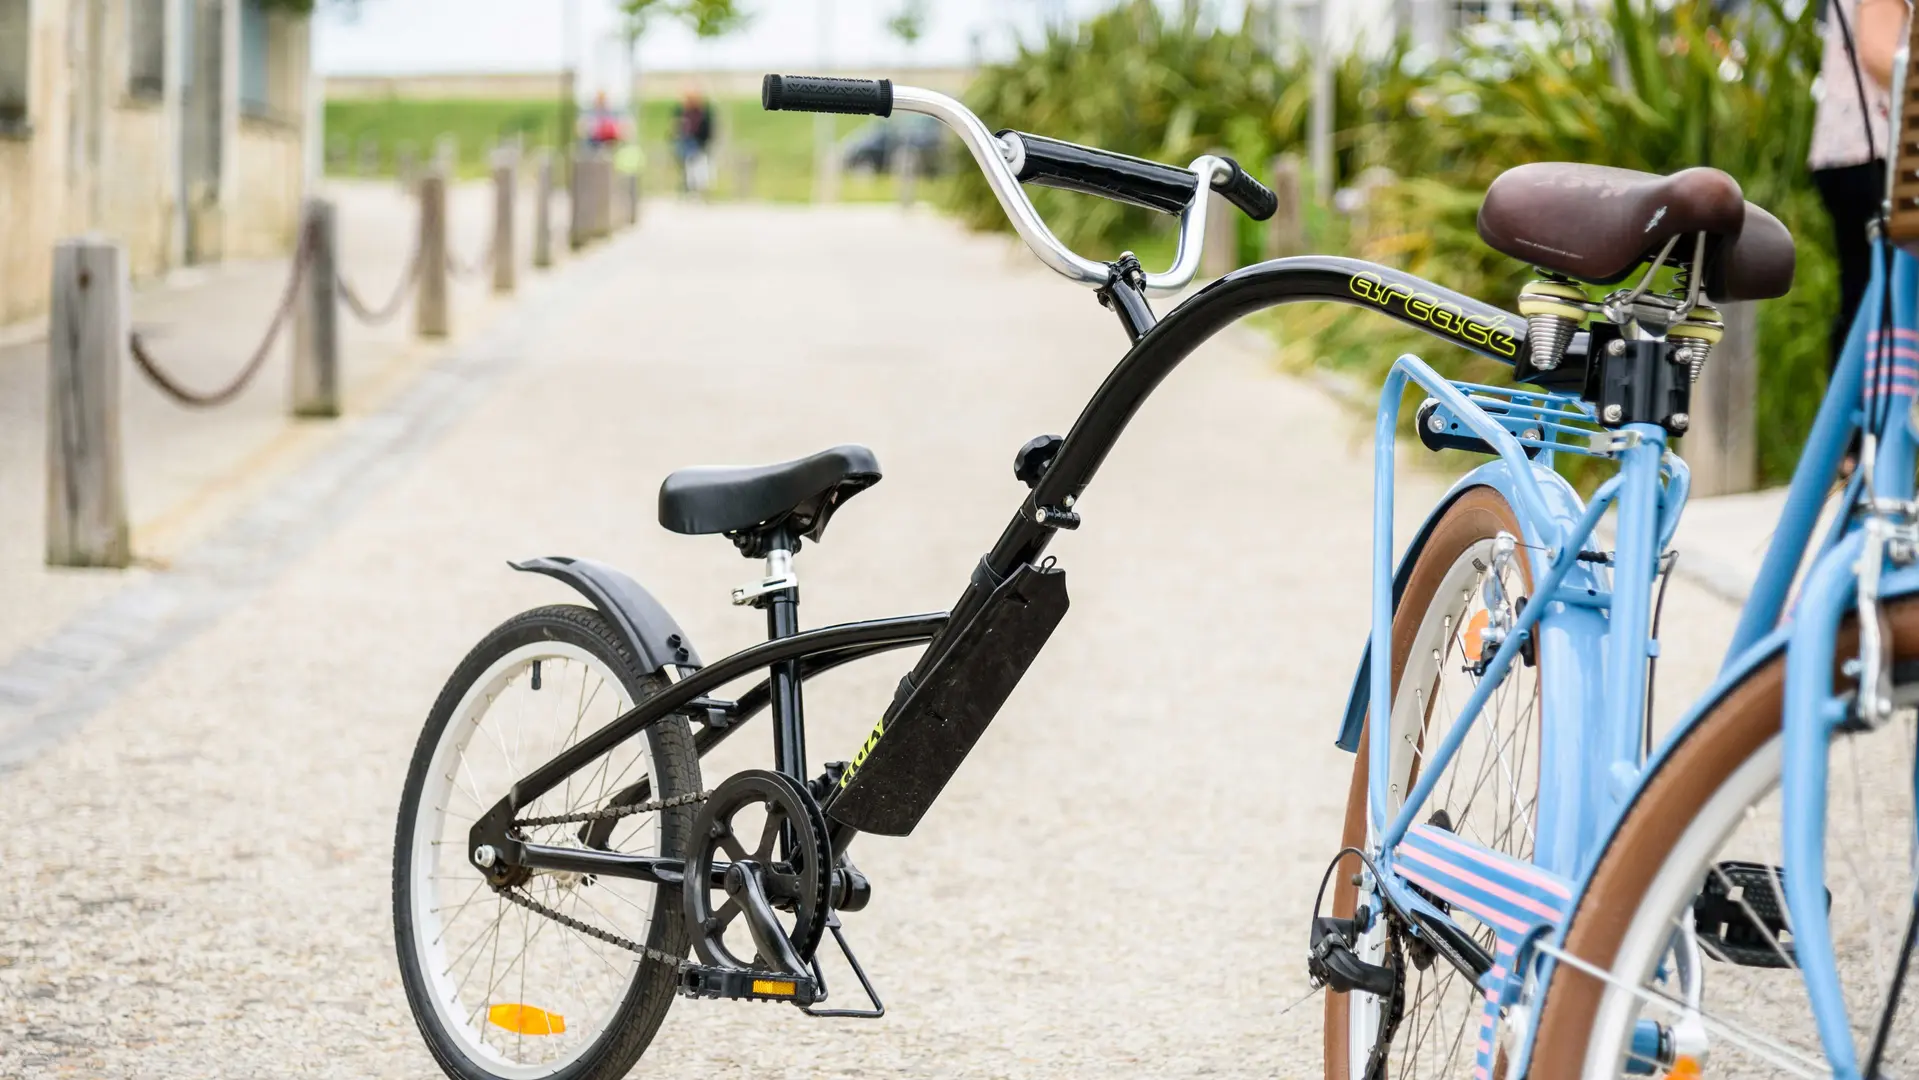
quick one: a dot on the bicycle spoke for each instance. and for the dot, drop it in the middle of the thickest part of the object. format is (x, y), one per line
(1773, 1053)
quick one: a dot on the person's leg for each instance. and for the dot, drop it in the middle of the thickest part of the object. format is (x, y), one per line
(1852, 196)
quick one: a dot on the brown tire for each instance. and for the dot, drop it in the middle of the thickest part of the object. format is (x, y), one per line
(1476, 516)
(1740, 725)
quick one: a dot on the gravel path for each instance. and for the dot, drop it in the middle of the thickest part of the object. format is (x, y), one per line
(1117, 883)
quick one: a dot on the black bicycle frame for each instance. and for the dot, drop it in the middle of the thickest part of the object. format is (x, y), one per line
(1164, 344)
(790, 660)
(1158, 348)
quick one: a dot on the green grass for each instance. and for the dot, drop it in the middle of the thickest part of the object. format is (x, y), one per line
(780, 145)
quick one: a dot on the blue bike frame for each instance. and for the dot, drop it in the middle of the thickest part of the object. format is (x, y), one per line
(1596, 627)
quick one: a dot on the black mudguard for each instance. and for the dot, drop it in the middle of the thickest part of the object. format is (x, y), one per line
(652, 633)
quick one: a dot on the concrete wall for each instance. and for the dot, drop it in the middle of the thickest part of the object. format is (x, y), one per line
(33, 190)
(98, 158)
(268, 171)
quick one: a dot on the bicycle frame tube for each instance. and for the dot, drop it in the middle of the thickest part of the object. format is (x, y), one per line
(1441, 312)
(1812, 710)
(830, 643)
(1839, 414)
(1609, 751)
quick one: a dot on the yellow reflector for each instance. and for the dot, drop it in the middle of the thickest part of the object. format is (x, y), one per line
(1685, 1069)
(1473, 641)
(526, 1020)
(778, 987)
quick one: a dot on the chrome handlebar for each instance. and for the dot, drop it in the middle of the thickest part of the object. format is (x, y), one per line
(993, 154)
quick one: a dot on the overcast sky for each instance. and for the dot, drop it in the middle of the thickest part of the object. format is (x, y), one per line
(397, 36)
(390, 37)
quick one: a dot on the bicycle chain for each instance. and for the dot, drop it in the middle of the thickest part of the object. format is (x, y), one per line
(571, 923)
(607, 812)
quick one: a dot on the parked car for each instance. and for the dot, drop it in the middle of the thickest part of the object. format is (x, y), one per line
(875, 147)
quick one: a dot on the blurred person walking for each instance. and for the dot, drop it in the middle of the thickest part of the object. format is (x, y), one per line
(1851, 137)
(692, 134)
(601, 127)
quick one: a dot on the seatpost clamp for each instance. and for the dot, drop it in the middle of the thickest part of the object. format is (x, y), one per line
(779, 576)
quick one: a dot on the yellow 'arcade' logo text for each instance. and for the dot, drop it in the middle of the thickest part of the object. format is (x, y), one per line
(1446, 318)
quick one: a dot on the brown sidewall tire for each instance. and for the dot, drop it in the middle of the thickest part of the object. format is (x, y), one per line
(1478, 514)
(1742, 722)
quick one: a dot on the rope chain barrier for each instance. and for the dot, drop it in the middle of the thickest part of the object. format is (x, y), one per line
(144, 360)
(302, 256)
(372, 316)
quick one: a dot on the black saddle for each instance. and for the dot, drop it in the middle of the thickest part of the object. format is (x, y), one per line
(798, 496)
(1597, 223)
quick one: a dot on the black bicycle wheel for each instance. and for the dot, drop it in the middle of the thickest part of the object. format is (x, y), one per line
(499, 990)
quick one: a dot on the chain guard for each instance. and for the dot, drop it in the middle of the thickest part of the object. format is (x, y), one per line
(791, 862)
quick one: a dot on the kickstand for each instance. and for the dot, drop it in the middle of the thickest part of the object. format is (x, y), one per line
(878, 1010)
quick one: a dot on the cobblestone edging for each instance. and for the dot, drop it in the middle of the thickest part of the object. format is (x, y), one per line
(50, 688)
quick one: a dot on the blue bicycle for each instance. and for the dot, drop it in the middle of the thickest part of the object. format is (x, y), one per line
(1531, 886)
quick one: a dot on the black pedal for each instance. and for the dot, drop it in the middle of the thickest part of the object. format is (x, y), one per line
(1330, 959)
(739, 984)
(1737, 894)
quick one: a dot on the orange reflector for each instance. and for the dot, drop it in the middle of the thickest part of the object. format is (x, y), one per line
(776, 987)
(526, 1020)
(1685, 1069)
(1473, 642)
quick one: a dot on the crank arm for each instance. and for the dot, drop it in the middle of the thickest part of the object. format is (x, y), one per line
(744, 886)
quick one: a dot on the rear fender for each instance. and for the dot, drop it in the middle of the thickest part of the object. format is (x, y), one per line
(650, 632)
(1561, 501)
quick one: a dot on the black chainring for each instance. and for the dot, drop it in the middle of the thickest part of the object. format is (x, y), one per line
(792, 849)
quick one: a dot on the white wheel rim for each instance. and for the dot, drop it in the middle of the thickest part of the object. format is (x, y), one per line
(442, 881)
(1761, 1018)
(1456, 594)
(1675, 886)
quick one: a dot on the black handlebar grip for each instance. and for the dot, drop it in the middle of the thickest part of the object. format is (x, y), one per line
(819, 94)
(1240, 189)
(1037, 159)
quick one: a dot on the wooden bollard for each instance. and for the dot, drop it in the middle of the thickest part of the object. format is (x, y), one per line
(906, 172)
(602, 195)
(745, 165)
(86, 478)
(429, 311)
(406, 165)
(316, 319)
(543, 211)
(1720, 445)
(579, 216)
(506, 164)
(1285, 231)
(630, 181)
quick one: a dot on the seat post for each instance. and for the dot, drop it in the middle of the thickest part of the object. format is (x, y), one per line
(783, 620)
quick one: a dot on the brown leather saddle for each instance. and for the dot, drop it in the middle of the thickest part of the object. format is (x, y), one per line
(1597, 223)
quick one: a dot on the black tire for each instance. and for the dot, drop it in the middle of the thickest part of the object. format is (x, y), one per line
(676, 772)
